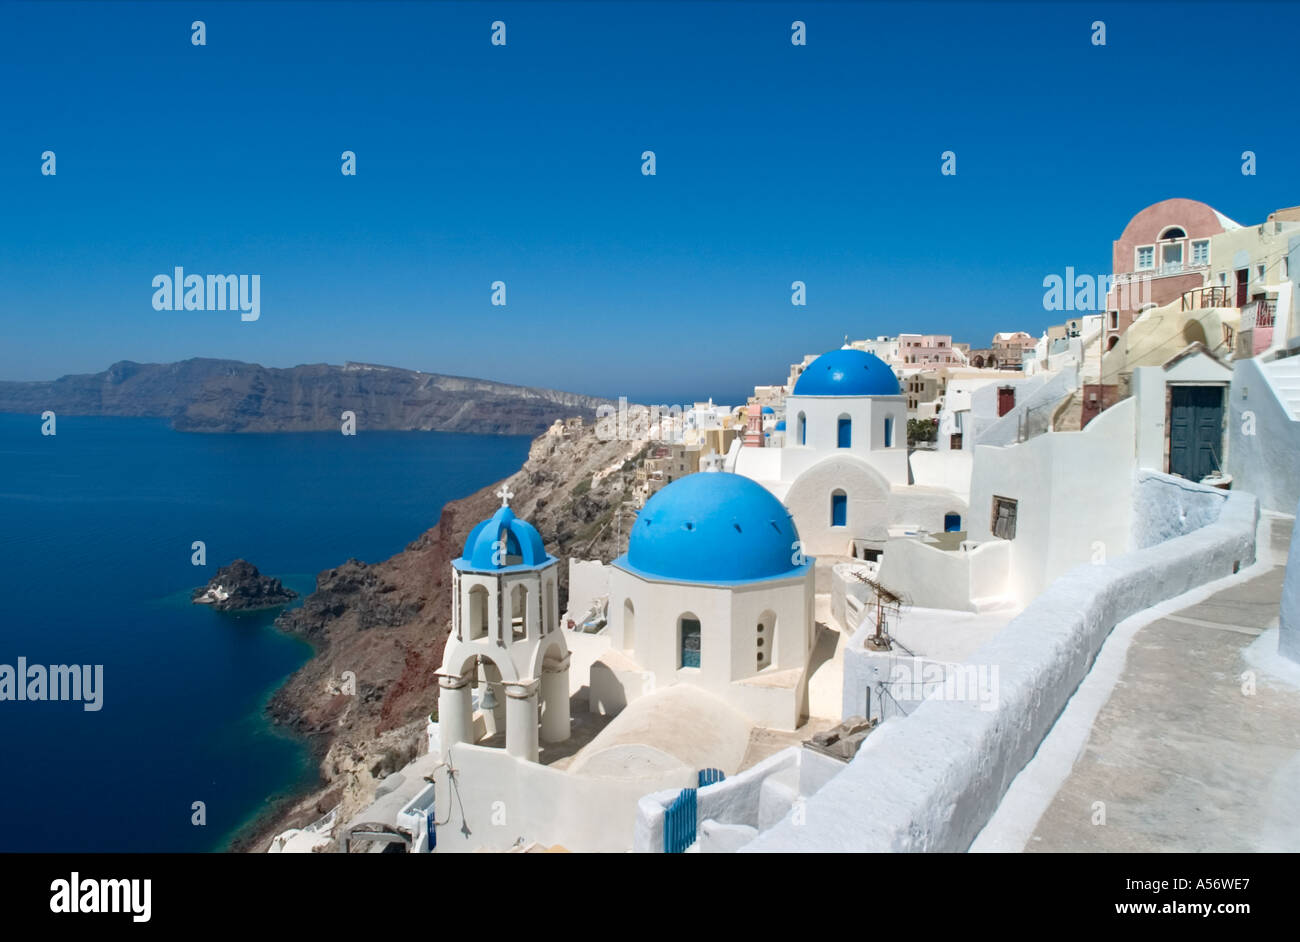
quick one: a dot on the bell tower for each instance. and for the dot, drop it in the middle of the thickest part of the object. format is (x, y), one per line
(505, 639)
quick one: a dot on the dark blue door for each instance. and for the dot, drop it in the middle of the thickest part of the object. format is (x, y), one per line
(1195, 430)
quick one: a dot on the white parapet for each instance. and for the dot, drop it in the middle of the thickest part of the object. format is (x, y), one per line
(931, 781)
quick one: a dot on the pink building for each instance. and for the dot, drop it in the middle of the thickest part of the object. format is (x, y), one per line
(932, 349)
(1163, 253)
(1009, 348)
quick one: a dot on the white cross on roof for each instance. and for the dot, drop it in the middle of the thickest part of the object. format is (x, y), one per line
(505, 494)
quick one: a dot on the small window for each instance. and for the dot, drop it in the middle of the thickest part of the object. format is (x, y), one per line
(889, 433)
(844, 433)
(1201, 252)
(690, 628)
(1173, 232)
(1146, 257)
(1003, 524)
(839, 509)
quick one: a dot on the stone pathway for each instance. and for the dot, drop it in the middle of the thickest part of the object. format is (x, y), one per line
(1183, 756)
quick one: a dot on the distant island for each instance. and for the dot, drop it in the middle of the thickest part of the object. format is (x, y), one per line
(206, 395)
(239, 587)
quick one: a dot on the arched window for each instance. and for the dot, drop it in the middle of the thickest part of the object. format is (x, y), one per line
(839, 509)
(844, 432)
(952, 522)
(478, 612)
(801, 424)
(518, 612)
(1173, 232)
(629, 626)
(551, 608)
(688, 630)
(889, 433)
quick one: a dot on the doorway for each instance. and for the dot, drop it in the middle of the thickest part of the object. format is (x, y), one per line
(1195, 430)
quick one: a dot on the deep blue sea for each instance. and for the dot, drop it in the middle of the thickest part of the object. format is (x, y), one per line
(96, 528)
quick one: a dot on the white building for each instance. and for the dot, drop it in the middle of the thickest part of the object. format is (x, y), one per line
(843, 468)
(505, 635)
(714, 591)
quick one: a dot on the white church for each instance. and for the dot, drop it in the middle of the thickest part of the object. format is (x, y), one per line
(715, 591)
(506, 636)
(842, 467)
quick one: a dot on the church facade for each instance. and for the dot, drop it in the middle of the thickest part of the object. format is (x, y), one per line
(842, 467)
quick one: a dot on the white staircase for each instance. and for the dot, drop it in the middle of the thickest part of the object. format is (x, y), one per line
(1284, 375)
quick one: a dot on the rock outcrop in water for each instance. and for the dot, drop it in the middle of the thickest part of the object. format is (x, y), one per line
(203, 395)
(239, 587)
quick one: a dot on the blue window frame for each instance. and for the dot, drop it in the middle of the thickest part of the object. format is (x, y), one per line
(889, 433)
(845, 432)
(839, 509)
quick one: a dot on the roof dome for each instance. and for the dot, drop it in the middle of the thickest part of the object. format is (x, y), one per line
(847, 373)
(520, 541)
(713, 526)
(768, 410)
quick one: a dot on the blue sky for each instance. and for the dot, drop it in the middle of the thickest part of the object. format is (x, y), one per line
(522, 163)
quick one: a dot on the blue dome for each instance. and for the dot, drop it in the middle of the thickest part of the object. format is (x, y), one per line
(503, 531)
(847, 373)
(780, 426)
(713, 526)
(768, 410)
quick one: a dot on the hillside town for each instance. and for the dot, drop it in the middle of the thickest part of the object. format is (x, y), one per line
(868, 609)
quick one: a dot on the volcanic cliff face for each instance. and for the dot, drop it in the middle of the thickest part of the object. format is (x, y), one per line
(203, 395)
(379, 629)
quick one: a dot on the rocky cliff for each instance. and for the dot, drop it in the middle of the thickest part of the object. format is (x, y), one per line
(379, 629)
(240, 587)
(203, 395)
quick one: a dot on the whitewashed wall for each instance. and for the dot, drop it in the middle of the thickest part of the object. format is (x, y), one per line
(931, 781)
(1075, 494)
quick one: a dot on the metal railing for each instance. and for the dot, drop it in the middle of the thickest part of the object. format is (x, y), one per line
(1209, 296)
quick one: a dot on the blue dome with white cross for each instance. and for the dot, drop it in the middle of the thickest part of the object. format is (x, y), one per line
(503, 541)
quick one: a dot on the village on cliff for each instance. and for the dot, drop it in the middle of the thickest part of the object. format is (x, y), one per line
(916, 596)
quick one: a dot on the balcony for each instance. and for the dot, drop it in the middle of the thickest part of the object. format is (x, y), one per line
(1259, 313)
(1167, 270)
(1209, 296)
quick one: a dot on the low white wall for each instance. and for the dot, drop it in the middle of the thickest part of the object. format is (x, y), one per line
(499, 799)
(944, 468)
(1165, 507)
(931, 781)
(748, 802)
(934, 578)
